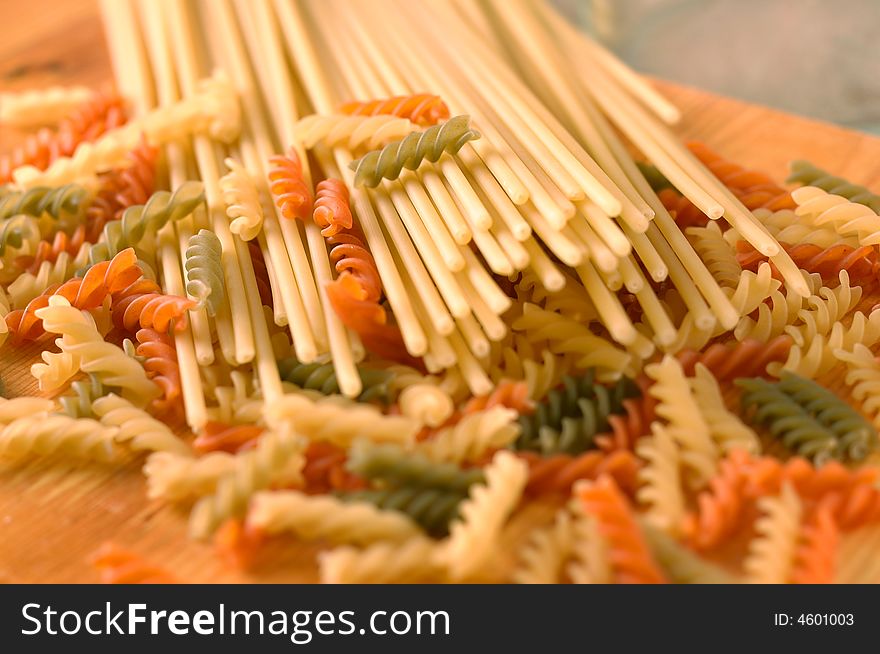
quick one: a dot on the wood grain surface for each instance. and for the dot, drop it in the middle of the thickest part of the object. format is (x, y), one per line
(52, 517)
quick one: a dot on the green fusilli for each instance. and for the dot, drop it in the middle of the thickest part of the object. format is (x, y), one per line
(204, 270)
(429, 145)
(808, 174)
(431, 508)
(321, 377)
(63, 200)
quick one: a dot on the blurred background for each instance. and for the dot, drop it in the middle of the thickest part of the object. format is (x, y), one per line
(817, 58)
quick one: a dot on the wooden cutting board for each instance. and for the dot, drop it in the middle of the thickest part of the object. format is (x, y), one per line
(52, 517)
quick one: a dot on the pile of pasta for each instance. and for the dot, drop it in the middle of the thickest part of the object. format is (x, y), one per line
(366, 275)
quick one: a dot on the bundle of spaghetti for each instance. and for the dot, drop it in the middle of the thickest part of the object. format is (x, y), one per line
(568, 336)
(277, 460)
(720, 258)
(421, 108)
(772, 552)
(845, 217)
(544, 556)
(41, 107)
(808, 174)
(121, 188)
(160, 363)
(222, 437)
(212, 110)
(120, 566)
(728, 361)
(557, 474)
(60, 202)
(387, 163)
(325, 470)
(108, 278)
(628, 552)
(352, 132)
(292, 194)
(816, 555)
(136, 428)
(338, 420)
(326, 517)
(677, 406)
(680, 564)
(726, 428)
(83, 347)
(57, 435)
(755, 190)
(473, 538)
(860, 263)
(99, 114)
(413, 560)
(161, 208)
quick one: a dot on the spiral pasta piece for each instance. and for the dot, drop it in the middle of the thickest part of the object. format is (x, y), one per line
(474, 436)
(39, 107)
(50, 251)
(394, 466)
(159, 359)
(152, 311)
(433, 509)
(772, 551)
(420, 108)
(808, 174)
(676, 405)
(69, 199)
(726, 428)
(815, 559)
(326, 517)
(412, 560)
(847, 218)
(101, 113)
(680, 564)
(630, 558)
(220, 436)
(288, 186)
(277, 460)
(135, 427)
(162, 207)
(428, 404)
(589, 557)
(242, 199)
(661, 489)
(410, 152)
(543, 557)
(716, 253)
(325, 470)
(57, 435)
(78, 401)
(558, 474)
(352, 132)
(350, 257)
(120, 566)
(28, 285)
(176, 477)
(204, 271)
(336, 420)
(17, 233)
(727, 361)
(860, 263)
(81, 341)
(321, 377)
(109, 278)
(473, 538)
(331, 212)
